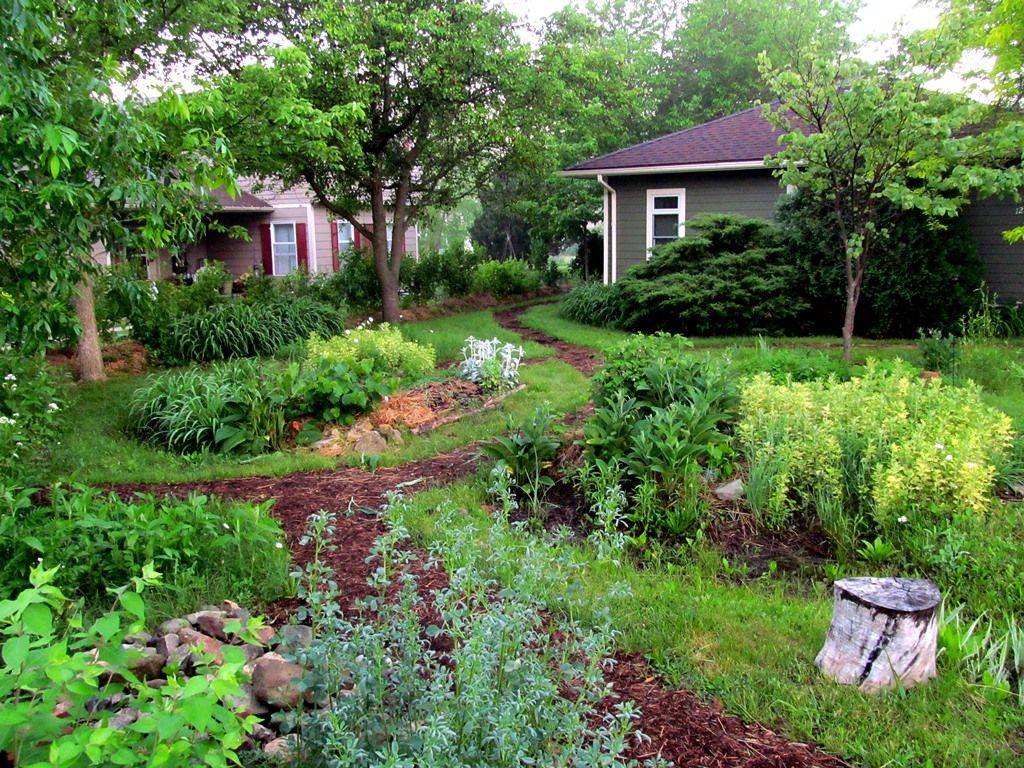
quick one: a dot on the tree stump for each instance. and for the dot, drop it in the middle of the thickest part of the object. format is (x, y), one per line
(883, 633)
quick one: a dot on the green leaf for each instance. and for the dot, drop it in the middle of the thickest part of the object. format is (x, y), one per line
(15, 651)
(132, 603)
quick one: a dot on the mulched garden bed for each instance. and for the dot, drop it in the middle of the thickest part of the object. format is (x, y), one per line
(435, 404)
(119, 357)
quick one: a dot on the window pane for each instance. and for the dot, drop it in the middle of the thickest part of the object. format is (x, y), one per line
(285, 249)
(670, 202)
(284, 233)
(666, 225)
(662, 240)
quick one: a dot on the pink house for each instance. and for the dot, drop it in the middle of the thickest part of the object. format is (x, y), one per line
(287, 230)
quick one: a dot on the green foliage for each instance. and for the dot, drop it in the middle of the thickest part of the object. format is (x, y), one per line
(227, 549)
(388, 352)
(662, 419)
(505, 278)
(733, 276)
(525, 453)
(438, 274)
(245, 329)
(895, 467)
(923, 274)
(58, 664)
(338, 391)
(591, 303)
(359, 282)
(495, 697)
(235, 406)
(491, 364)
(785, 364)
(30, 406)
(939, 351)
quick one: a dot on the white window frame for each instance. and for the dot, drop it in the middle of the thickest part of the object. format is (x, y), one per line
(273, 245)
(680, 194)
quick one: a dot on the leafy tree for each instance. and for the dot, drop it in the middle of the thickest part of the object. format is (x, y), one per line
(861, 135)
(399, 107)
(82, 163)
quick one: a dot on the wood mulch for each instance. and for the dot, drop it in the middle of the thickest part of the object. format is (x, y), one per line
(126, 357)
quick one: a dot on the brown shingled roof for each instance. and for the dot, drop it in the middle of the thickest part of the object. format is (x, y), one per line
(741, 137)
(243, 201)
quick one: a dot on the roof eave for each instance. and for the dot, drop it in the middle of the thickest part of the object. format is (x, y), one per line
(591, 173)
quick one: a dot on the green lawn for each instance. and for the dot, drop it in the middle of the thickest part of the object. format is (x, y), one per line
(752, 646)
(448, 334)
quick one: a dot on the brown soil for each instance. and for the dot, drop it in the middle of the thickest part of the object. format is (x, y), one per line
(422, 405)
(583, 359)
(120, 357)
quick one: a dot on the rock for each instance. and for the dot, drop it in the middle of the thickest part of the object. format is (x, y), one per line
(371, 443)
(261, 733)
(275, 681)
(731, 491)
(138, 639)
(265, 634)
(247, 704)
(180, 659)
(156, 683)
(204, 643)
(148, 664)
(294, 636)
(252, 651)
(124, 718)
(212, 623)
(165, 644)
(392, 435)
(282, 748)
(173, 626)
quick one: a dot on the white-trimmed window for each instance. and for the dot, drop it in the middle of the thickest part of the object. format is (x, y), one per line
(666, 216)
(285, 247)
(346, 236)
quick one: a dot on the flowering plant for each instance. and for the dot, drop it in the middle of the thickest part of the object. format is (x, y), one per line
(491, 363)
(30, 404)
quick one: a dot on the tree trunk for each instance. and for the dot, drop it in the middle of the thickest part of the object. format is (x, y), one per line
(883, 633)
(89, 358)
(387, 268)
(848, 320)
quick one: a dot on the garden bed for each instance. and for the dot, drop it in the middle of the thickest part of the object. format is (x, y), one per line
(432, 405)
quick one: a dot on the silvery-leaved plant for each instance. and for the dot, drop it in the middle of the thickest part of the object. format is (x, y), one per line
(491, 363)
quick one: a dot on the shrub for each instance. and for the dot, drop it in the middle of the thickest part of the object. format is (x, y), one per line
(390, 354)
(30, 408)
(590, 303)
(204, 549)
(59, 665)
(358, 277)
(232, 406)
(491, 363)
(208, 282)
(337, 391)
(787, 364)
(939, 351)
(733, 277)
(246, 329)
(920, 276)
(502, 279)
(497, 695)
(902, 460)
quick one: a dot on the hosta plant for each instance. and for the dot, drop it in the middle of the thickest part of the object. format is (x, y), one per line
(491, 363)
(526, 452)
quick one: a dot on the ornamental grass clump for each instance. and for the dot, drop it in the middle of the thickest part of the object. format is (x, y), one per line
(389, 353)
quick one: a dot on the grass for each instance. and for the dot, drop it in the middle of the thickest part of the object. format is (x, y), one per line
(752, 646)
(447, 334)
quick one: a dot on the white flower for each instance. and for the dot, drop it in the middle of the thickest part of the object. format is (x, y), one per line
(279, 545)
(386, 398)
(901, 519)
(10, 377)
(53, 407)
(949, 457)
(971, 465)
(6, 421)
(940, 447)
(227, 527)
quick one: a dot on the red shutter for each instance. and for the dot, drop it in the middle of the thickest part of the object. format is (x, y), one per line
(266, 248)
(302, 245)
(335, 265)
(357, 239)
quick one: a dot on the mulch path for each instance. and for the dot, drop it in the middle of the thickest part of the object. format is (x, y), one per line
(583, 359)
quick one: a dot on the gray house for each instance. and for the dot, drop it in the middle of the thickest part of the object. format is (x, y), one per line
(651, 190)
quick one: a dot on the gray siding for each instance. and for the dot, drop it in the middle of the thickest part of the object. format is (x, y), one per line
(750, 193)
(1004, 262)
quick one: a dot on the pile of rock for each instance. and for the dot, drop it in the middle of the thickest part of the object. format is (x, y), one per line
(362, 438)
(181, 645)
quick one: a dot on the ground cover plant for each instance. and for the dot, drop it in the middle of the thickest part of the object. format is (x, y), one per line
(490, 363)
(496, 695)
(384, 346)
(204, 549)
(30, 407)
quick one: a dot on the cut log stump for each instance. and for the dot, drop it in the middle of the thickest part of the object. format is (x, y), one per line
(883, 633)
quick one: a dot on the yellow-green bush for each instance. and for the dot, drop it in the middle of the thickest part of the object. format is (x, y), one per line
(901, 452)
(384, 345)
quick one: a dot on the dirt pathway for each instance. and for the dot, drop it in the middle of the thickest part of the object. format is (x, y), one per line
(677, 724)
